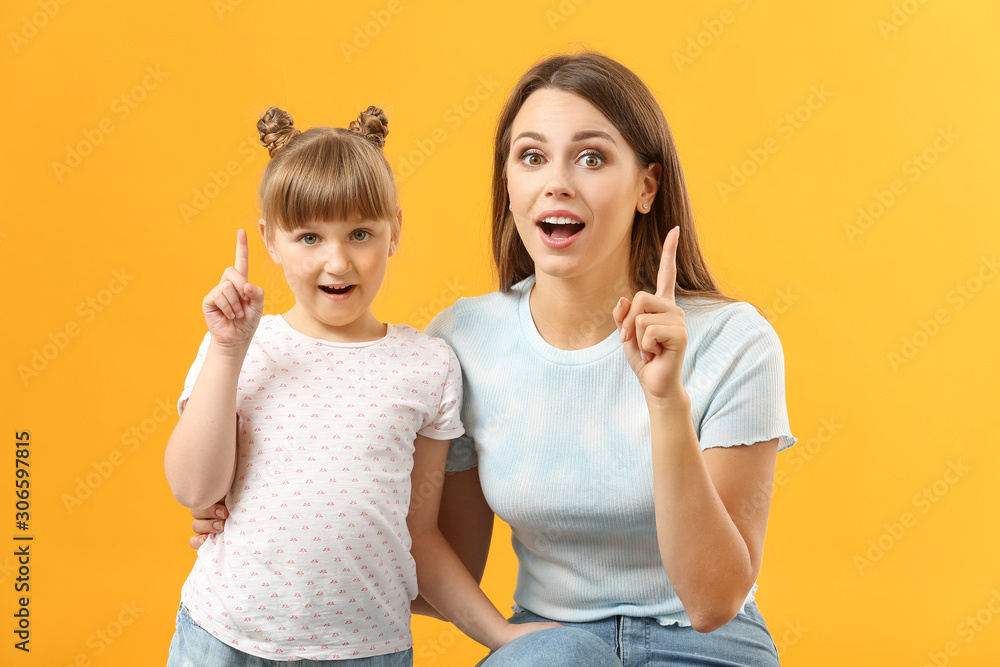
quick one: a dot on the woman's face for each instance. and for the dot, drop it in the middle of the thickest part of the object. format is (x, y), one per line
(574, 186)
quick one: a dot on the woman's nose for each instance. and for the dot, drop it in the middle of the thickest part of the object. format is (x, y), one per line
(559, 182)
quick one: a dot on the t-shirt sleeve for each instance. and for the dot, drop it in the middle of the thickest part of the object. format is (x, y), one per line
(462, 452)
(743, 356)
(192, 374)
(447, 423)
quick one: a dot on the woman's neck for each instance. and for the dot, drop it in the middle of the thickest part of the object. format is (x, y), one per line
(576, 313)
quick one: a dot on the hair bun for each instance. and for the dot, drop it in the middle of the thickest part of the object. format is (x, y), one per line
(373, 125)
(275, 129)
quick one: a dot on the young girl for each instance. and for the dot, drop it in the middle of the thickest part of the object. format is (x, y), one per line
(311, 424)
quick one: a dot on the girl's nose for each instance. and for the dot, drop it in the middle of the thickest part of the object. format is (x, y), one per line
(337, 261)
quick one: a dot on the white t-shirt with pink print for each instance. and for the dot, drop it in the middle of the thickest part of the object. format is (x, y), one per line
(314, 562)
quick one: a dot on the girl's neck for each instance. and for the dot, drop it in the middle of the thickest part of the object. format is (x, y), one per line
(576, 313)
(363, 329)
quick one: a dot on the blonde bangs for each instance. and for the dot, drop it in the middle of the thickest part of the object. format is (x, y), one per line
(327, 174)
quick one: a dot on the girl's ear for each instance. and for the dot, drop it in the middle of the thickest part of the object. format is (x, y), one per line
(650, 183)
(396, 229)
(268, 243)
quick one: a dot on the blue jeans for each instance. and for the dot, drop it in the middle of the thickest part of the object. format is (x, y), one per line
(193, 646)
(635, 642)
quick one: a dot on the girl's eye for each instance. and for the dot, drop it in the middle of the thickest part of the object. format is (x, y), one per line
(309, 239)
(592, 159)
(360, 235)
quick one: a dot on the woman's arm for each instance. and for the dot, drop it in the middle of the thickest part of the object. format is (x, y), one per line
(710, 533)
(443, 579)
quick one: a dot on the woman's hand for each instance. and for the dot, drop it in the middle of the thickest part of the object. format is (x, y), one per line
(208, 521)
(233, 309)
(652, 329)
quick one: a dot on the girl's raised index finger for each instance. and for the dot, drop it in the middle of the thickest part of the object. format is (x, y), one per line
(666, 278)
(242, 264)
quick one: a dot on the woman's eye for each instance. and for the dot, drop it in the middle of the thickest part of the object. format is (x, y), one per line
(592, 160)
(532, 159)
(309, 239)
(360, 235)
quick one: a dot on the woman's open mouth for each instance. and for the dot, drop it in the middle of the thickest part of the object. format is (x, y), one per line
(558, 231)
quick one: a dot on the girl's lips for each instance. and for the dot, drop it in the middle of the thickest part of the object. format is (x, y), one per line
(335, 293)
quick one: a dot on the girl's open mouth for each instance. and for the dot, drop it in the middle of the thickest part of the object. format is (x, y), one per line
(337, 290)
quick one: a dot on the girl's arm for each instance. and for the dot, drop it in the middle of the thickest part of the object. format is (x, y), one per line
(465, 520)
(200, 460)
(443, 579)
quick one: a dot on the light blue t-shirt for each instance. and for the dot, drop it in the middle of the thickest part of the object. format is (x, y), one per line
(562, 441)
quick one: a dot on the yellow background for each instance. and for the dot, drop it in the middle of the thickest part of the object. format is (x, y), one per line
(884, 532)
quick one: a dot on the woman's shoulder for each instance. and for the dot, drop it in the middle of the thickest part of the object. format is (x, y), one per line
(726, 325)
(487, 310)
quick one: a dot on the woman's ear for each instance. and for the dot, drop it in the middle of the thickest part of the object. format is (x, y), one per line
(396, 230)
(650, 182)
(268, 242)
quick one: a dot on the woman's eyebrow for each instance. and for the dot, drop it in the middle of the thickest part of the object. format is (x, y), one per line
(579, 136)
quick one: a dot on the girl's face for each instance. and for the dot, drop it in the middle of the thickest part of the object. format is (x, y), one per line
(574, 186)
(335, 269)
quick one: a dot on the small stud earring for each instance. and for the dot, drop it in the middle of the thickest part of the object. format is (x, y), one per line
(510, 207)
(645, 207)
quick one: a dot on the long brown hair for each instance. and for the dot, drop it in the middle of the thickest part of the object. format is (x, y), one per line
(628, 104)
(325, 173)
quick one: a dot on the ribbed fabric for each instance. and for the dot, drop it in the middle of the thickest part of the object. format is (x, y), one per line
(562, 441)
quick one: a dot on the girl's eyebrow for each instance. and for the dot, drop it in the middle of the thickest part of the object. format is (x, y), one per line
(579, 136)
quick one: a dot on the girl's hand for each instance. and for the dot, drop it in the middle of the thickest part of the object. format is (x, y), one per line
(233, 309)
(652, 328)
(515, 630)
(208, 521)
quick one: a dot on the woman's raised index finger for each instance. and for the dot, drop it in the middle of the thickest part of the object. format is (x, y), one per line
(242, 264)
(666, 278)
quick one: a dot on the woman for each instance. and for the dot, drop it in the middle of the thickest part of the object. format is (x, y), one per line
(622, 414)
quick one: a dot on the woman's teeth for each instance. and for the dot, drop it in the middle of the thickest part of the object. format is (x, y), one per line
(560, 228)
(330, 289)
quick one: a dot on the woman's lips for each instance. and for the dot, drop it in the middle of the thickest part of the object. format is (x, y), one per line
(337, 293)
(559, 231)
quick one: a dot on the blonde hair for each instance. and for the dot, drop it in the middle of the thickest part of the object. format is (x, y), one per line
(325, 173)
